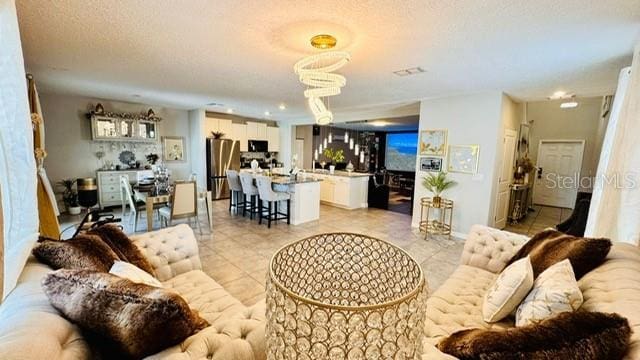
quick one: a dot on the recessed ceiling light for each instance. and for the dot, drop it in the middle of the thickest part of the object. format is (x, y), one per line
(282, 107)
(266, 113)
(560, 95)
(229, 111)
(569, 104)
(409, 71)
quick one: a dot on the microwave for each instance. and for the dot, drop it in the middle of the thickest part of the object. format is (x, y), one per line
(258, 146)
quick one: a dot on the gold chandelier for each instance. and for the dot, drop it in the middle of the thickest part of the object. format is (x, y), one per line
(316, 71)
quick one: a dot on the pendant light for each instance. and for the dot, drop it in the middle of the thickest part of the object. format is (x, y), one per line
(361, 156)
(315, 154)
(324, 142)
(330, 136)
(346, 137)
(357, 151)
(351, 144)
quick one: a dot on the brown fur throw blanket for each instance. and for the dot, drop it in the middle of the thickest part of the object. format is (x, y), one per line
(551, 246)
(577, 335)
(120, 243)
(135, 320)
(82, 252)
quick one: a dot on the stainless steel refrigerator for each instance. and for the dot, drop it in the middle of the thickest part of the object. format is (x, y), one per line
(222, 155)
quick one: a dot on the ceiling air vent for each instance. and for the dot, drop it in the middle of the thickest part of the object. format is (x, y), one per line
(214, 104)
(409, 71)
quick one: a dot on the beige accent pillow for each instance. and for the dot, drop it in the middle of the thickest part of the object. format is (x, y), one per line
(506, 293)
(135, 274)
(554, 291)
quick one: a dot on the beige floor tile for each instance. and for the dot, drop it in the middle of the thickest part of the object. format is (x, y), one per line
(245, 289)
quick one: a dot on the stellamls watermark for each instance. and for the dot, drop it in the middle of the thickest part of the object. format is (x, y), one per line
(628, 180)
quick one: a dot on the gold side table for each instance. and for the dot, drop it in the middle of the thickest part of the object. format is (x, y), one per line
(436, 217)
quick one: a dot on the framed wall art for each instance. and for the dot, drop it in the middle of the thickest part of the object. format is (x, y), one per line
(174, 149)
(433, 142)
(431, 164)
(463, 158)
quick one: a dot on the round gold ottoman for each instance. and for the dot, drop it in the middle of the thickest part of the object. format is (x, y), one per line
(344, 296)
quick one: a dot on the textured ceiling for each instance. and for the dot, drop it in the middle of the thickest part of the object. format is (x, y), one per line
(240, 53)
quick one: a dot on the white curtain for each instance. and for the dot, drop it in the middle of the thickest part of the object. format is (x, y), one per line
(615, 204)
(17, 165)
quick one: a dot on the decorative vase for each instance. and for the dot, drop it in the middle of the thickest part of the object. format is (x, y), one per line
(350, 166)
(332, 169)
(437, 200)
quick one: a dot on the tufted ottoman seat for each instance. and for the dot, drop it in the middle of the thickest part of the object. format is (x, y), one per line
(236, 331)
(457, 305)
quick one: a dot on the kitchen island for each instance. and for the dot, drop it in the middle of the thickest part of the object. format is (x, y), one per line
(305, 196)
(347, 190)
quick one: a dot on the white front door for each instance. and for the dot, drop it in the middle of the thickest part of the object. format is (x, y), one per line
(558, 177)
(505, 178)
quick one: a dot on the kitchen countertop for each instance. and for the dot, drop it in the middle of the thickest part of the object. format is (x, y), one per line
(114, 170)
(287, 180)
(339, 173)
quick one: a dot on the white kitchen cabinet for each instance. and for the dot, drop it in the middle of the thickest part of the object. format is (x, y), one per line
(218, 125)
(239, 133)
(273, 137)
(327, 188)
(261, 131)
(225, 127)
(252, 131)
(344, 190)
(341, 194)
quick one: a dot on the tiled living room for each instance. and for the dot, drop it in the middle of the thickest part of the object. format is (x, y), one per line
(319, 180)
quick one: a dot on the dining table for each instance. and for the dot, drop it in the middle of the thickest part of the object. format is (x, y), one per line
(151, 198)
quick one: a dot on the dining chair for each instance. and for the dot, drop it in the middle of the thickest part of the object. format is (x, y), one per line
(248, 188)
(235, 187)
(272, 198)
(184, 204)
(127, 199)
(202, 196)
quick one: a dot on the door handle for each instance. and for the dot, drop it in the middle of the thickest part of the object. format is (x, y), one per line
(540, 173)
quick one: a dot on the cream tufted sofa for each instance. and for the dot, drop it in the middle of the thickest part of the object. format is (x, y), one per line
(31, 329)
(612, 287)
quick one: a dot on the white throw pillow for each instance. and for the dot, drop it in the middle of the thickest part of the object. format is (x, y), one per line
(129, 271)
(554, 291)
(506, 293)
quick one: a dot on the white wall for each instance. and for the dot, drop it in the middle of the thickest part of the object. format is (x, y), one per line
(197, 149)
(17, 164)
(473, 119)
(71, 152)
(551, 122)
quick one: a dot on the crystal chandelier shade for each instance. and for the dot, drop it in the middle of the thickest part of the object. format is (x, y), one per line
(321, 81)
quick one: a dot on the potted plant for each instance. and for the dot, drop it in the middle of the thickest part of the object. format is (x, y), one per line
(70, 197)
(217, 134)
(436, 184)
(335, 156)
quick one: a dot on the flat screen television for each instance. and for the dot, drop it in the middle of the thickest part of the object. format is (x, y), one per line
(401, 151)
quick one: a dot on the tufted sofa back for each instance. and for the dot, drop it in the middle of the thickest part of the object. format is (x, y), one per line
(172, 251)
(490, 249)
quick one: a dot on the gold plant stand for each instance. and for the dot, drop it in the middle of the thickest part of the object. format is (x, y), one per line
(344, 296)
(436, 217)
